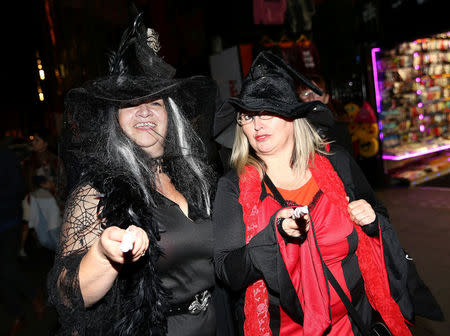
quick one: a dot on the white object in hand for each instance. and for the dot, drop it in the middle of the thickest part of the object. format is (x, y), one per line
(300, 211)
(127, 241)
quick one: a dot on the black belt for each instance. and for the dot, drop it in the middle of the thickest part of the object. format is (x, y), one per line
(194, 306)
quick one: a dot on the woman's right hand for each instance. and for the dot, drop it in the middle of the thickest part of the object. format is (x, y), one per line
(108, 246)
(293, 227)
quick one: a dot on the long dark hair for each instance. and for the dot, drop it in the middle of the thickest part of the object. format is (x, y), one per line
(124, 175)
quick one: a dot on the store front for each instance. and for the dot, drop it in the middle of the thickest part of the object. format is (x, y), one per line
(412, 92)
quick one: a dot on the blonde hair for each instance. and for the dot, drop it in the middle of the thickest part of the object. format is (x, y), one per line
(306, 142)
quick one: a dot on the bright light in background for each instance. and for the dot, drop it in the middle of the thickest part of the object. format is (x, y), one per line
(422, 128)
(410, 155)
(40, 94)
(417, 79)
(420, 105)
(417, 67)
(41, 74)
(40, 67)
(420, 116)
(375, 78)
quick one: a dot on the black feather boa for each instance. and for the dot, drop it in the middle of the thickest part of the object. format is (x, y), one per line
(140, 301)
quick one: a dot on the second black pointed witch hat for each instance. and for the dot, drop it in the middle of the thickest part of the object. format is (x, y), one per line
(270, 86)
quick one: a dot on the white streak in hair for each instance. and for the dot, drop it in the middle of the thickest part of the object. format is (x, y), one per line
(131, 160)
(123, 149)
(179, 121)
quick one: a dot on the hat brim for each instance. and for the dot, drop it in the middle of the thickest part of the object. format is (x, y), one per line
(225, 117)
(280, 108)
(227, 112)
(126, 90)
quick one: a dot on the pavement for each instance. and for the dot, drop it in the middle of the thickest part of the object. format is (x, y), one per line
(421, 216)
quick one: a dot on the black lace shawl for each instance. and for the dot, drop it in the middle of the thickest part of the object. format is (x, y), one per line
(135, 304)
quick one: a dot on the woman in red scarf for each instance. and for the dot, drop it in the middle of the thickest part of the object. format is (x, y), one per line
(273, 260)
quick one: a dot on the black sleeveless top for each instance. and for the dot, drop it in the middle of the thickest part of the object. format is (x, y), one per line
(186, 268)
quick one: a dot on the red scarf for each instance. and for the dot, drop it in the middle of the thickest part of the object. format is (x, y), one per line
(369, 254)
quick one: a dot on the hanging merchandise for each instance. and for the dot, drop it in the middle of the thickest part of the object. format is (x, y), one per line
(412, 94)
(299, 14)
(364, 129)
(302, 55)
(269, 11)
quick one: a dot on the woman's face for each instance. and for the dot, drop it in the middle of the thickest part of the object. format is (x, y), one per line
(146, 125)
(39, 145)
(270, 137)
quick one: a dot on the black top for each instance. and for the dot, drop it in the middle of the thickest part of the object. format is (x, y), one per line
(186, 267)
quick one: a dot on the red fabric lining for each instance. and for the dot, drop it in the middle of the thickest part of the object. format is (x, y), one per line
(256, 298)
(369, 252)
(313, 295)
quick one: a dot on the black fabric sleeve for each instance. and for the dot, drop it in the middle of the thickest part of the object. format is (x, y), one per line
(287, 238)
(233, 262)
(239, 264)
(81, 228)
(371, 229)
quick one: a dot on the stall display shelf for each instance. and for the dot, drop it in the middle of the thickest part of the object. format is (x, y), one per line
(423, 170)
(412, 91)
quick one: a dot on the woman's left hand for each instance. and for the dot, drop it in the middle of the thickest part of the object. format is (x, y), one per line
(361, 212)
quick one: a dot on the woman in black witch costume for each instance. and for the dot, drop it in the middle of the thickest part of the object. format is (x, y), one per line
(297, 213)
(135, 254)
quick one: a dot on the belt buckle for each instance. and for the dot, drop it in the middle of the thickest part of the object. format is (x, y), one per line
(200, 303)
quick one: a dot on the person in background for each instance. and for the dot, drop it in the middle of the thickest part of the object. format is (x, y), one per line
(14, 286)
(296, 209)
(339, 132)
(136, 248)
(45, 165)
(44, 162)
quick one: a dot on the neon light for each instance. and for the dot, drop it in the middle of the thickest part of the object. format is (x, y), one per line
(417, 79)
(419, 92)
(422, 128)
(411, 155)
(417, 67)
(420, 105)
(420, 116)
(375, 78)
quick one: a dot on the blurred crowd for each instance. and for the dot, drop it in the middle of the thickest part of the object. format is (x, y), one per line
(32, 196)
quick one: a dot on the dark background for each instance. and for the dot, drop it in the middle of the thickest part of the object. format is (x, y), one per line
(83, 31)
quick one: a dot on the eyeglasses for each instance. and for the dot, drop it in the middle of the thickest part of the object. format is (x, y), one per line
(306, 95)
(244, 118)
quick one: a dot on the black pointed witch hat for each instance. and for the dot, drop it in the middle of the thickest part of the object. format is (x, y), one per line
(137, 75)
(270, 86)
